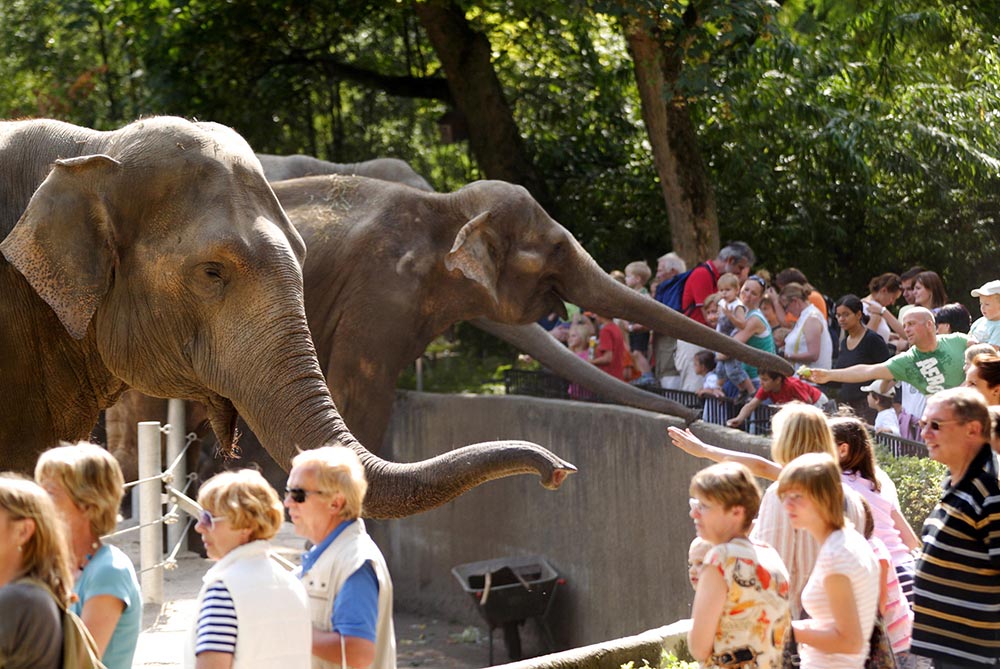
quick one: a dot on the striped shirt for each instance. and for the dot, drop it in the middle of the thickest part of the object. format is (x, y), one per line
(957, 587)
(217, 627)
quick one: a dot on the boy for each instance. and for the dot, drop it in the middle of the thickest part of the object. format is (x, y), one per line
(987, 328)
(704, 365)
(740, 614)
(780, 389)
(732, 319)
(637, 274)
(882, 399)
(611, 351)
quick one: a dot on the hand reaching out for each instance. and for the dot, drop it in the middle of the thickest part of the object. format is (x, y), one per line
(687, 442)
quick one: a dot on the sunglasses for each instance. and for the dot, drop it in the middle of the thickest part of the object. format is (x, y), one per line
(757, 279)
(298, 495)
(935, 425)
(207, 520)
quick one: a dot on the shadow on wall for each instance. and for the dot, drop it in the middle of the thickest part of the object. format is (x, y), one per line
(618, 531)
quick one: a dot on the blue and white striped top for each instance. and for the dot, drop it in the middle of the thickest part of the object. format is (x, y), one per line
(217, 625)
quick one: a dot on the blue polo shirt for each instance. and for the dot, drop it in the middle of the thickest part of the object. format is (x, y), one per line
(355, 606)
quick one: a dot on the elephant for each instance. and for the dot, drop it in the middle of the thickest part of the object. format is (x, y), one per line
(280, 168)
(157, 257)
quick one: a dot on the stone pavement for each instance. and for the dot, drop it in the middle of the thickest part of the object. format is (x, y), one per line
(421, 641)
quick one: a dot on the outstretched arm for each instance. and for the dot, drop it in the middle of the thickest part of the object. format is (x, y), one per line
(687, 442)
(852, 374)
(744, 413)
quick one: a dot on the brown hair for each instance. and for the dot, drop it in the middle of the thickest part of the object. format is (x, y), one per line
(246, 500)
(860, 457)
(888, 281)
(932, 282)
(817, 476)
(730, 484)
(90, 476)
(45, 555)
(800, 428)
(989, 368)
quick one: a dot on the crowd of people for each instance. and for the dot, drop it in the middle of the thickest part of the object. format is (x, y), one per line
(822, 569)
(333, 610)
(860, 352)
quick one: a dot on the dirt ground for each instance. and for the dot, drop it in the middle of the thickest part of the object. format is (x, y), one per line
(432, 643)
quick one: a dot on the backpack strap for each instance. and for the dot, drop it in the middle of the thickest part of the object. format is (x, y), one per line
(715, 280)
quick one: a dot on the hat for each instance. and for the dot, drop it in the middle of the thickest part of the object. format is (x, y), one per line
(877, 386)
(988, 288)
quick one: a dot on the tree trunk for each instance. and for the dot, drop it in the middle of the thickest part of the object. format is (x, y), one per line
(687, 191)
(493, 134)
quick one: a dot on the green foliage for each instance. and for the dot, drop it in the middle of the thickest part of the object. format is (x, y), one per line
(918, 481)
(668, 660)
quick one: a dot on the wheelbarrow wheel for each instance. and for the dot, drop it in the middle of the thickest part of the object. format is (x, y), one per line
(512, 639)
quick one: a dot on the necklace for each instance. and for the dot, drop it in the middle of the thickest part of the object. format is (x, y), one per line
(94, 547)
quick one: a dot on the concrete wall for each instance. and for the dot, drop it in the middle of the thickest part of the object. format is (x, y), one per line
(617, 531)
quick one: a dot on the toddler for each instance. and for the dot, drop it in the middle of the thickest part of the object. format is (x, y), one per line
(704, 365)
(882, 401)
(987, 329)
(732, 319)
(579, 343)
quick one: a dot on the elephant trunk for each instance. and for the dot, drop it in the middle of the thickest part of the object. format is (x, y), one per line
(298, 413)
(543, 348)
(586, 284)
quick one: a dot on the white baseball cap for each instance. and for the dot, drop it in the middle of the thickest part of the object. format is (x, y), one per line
(882, 387)
(988, 288)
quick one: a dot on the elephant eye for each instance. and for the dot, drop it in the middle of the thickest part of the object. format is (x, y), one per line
(213, 271)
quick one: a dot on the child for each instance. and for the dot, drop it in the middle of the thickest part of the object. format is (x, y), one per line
(892, 604)
(741, 613)
(779, 335)
(579, 343)
(882, 401)
(987, 328)
(637, 275)
(780, 389)
(732, 318)
(696, 558)
(611, 352)
(704, 365)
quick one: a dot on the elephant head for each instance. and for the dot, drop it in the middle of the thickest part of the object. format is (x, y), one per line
(526, 265)
(158, 257)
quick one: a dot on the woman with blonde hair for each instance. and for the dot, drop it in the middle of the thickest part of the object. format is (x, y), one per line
(841, 595)
(796, 429)
(252, 612)
(86, 485)
(35, 579)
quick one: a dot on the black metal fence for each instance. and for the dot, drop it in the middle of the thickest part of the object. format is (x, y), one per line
(713, 409)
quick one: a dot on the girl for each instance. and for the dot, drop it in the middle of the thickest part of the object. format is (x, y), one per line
(841, 595)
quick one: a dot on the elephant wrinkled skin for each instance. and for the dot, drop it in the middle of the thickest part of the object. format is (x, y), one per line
(157, 257)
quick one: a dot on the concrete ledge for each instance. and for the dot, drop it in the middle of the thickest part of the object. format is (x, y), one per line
(647, 646)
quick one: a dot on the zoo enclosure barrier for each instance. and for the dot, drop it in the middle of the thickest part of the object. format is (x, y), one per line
(156, 487)
(712, 409)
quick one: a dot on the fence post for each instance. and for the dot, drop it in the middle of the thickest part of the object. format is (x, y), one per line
(176, 439)
(150, 511)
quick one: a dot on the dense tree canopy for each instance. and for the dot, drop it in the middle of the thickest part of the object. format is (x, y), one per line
(845, 137)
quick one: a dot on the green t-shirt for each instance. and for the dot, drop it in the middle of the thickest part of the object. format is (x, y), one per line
(931, 372)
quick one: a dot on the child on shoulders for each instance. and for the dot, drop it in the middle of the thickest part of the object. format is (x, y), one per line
(987, 329)
(732, 319)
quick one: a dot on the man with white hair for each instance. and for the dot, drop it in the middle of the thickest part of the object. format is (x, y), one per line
(345, 574)
(932, 363)
(956, 599)
(668, 266)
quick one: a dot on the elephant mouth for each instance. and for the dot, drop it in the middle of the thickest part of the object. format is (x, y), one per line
(223, 415)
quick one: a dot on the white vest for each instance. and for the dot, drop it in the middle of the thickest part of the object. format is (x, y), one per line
(795, 342)
(272, 610)
(348, 552)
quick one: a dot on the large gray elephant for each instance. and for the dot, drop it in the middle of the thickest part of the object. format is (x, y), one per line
(390, 268)
(157, 257)
(280, 168)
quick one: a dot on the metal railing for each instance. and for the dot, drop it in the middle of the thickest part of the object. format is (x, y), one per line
(712, 409)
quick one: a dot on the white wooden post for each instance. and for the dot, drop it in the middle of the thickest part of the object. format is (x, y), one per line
(150, 511)
(176, 439)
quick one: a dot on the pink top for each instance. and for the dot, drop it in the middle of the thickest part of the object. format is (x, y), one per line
(898, 615)
(882, 504)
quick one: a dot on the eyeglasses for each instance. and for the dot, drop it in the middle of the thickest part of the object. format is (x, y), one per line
(298, 495)
(698, 506)
(207, 520)
(935, 425)
(792, 498)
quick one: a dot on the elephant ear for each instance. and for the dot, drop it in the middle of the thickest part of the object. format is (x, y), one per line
(475, 254)
(62, 242)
